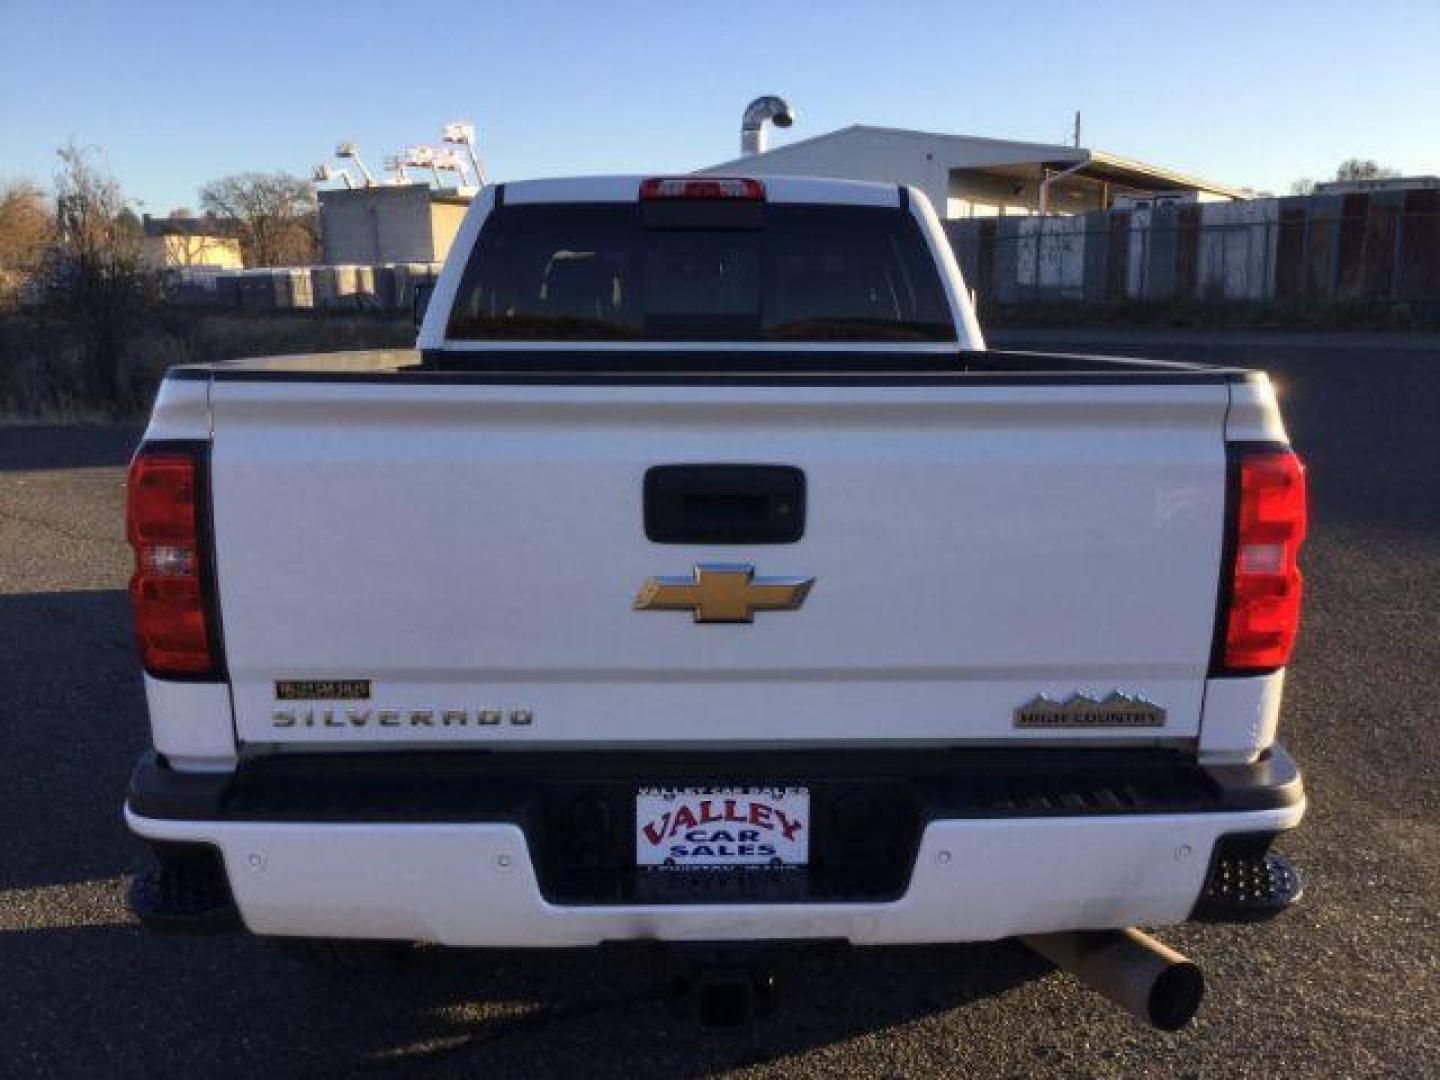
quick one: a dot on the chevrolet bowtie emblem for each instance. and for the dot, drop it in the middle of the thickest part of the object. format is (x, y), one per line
(723, 593)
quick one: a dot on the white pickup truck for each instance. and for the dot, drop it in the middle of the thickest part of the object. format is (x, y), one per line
(702, 577)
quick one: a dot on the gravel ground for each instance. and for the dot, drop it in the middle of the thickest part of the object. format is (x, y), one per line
(1346, 985)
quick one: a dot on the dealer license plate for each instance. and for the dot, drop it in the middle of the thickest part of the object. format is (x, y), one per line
(700, 827)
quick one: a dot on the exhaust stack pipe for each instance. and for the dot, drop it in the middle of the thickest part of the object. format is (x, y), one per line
(1145, 978)
(770, 108)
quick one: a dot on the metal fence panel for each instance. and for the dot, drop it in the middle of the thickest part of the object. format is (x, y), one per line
(1381, 246)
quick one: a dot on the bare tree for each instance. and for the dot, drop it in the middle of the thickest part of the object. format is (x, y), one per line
(128, 224)
(274, 212)
(1348, 170)
(96, 279)
(1363, 169)
(25, 230)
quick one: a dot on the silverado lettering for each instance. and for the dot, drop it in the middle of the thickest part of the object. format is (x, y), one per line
(415, 718)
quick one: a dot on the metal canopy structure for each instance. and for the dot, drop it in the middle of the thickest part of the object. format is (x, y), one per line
(946, 167)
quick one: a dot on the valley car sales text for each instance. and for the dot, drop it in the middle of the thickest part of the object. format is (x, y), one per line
(738, 835)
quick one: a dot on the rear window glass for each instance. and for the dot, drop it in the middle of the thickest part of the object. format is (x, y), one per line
(628, 271)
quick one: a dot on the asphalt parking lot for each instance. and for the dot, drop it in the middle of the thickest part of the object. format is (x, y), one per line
(1344, 986)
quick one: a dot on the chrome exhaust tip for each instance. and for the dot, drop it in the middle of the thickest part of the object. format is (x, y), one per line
(1147, 979)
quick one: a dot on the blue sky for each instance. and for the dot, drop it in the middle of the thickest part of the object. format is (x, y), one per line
(179, 93)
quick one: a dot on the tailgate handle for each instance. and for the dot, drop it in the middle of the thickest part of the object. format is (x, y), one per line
(724, 504)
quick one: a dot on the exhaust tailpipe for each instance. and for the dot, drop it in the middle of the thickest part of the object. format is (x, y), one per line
(1145, 978)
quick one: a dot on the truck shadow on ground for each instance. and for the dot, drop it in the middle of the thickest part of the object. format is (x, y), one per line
(610, 1012)
(225, 1003)
(72, 714)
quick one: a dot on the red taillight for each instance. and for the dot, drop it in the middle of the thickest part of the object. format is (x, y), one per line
(167, 590)
(1263, 612)
(709, 187)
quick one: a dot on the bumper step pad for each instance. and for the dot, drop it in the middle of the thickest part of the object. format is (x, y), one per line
(1247, 883)
(186, 891)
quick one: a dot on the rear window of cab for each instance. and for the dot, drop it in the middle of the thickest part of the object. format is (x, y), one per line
(702, 272)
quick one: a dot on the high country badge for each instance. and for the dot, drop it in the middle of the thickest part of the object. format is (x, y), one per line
(1115, 710)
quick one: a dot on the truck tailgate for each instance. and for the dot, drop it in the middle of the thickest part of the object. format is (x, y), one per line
(467, 556)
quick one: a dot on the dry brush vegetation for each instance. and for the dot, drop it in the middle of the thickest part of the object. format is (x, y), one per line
(87, 328)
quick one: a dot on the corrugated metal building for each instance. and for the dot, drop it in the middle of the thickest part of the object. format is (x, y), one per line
(392, 223)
